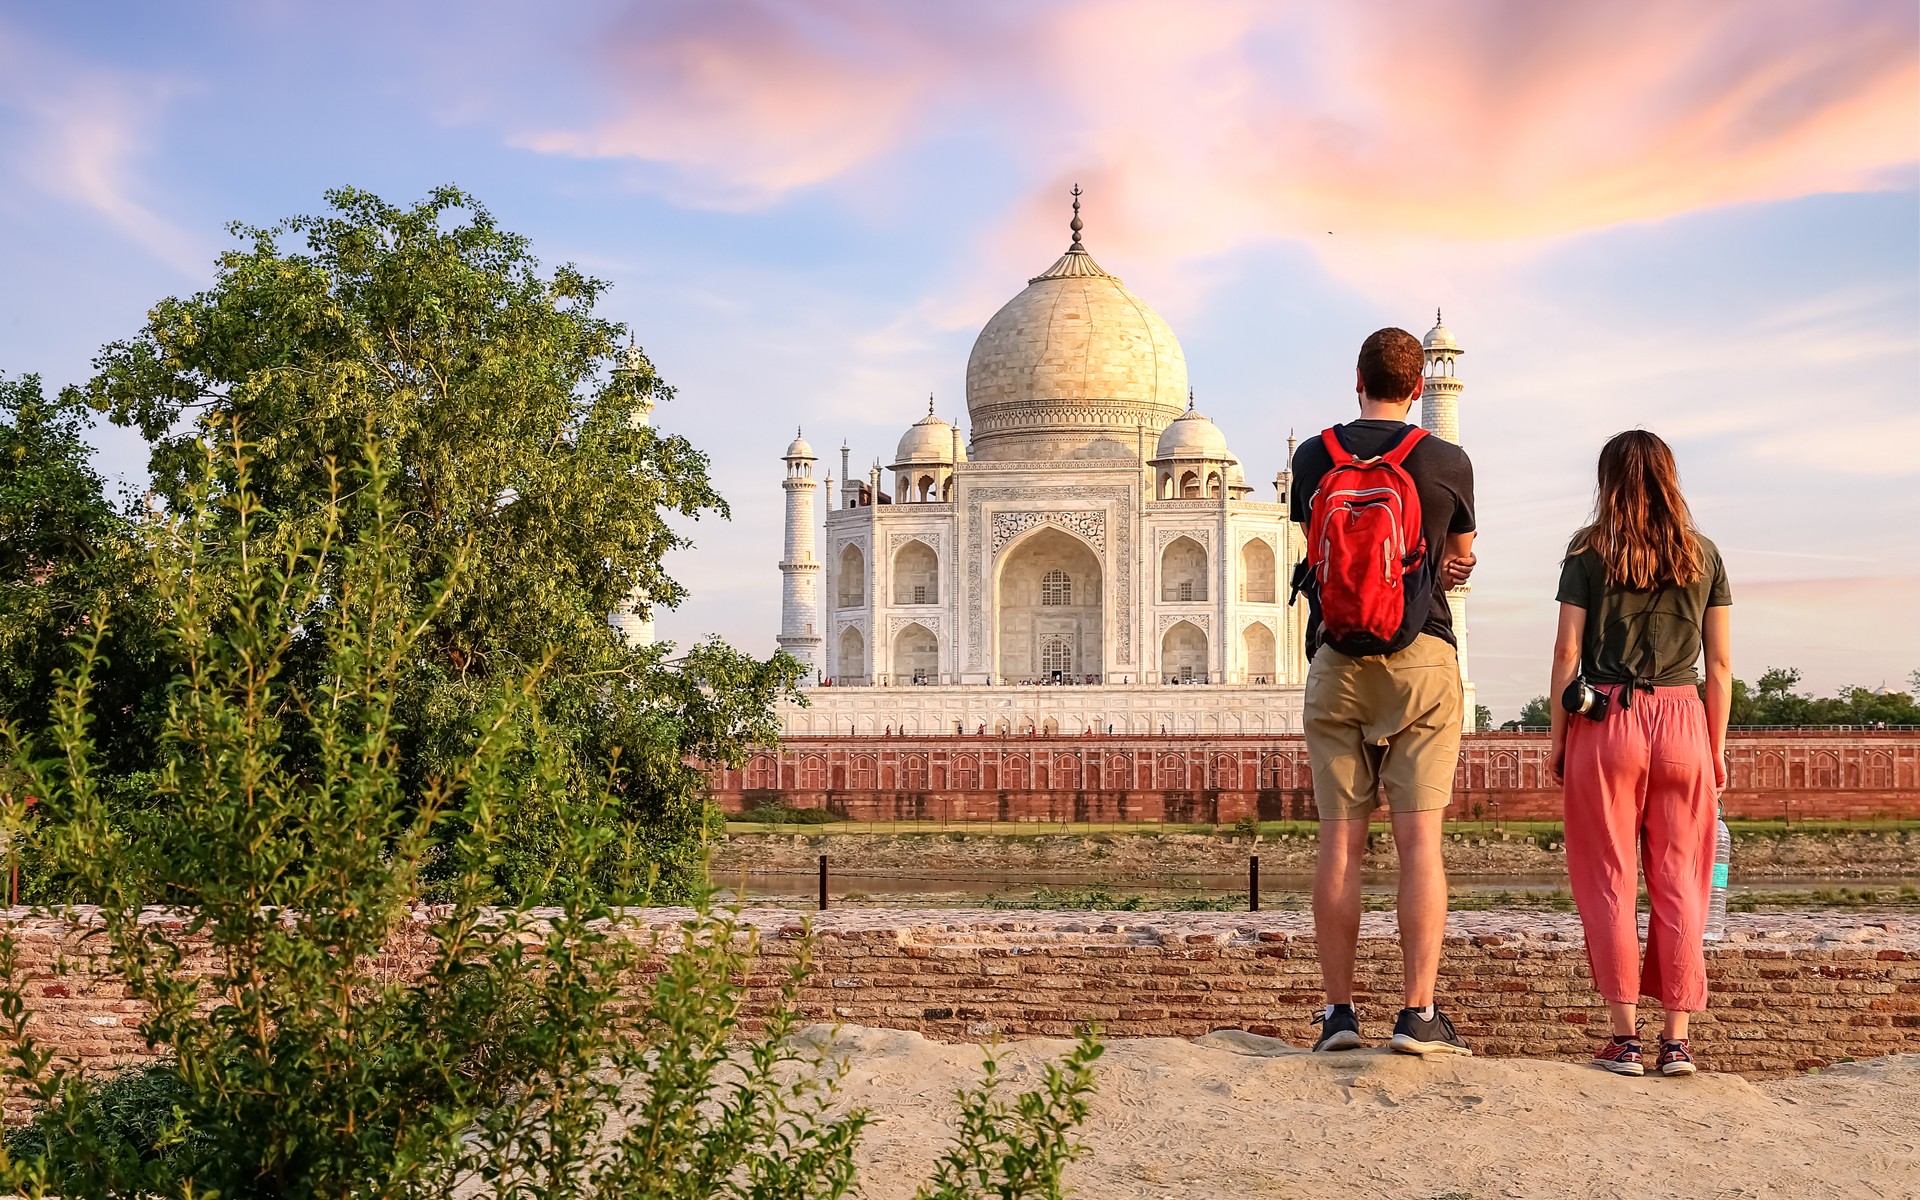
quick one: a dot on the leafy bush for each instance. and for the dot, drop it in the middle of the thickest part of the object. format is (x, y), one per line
(506, 1056)
(1018, 1149)
(787, 814)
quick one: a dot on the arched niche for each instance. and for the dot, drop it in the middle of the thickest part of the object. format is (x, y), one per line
(852, 662)
(1260, 652)
(1049, 601)
(1183, 653)
(1257, 575)
(916, 655)
(1183, 571)
(852, 577)
(1190, 485)
(916, 574)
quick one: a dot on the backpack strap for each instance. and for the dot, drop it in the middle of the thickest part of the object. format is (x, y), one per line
(1396, 454)
(1410, 437)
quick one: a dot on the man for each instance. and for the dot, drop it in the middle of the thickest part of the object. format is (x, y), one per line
(1389, 720)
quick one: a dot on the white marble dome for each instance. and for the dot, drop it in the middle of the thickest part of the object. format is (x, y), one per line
(798, 448)
(930, 440)
(1071, 368)
(1439, 337)
(1192, 436)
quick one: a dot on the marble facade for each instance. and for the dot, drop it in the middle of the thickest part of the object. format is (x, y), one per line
(1092, 556)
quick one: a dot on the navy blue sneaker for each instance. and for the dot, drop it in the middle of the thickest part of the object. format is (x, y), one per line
(1339, 1030)
(1415, 1033)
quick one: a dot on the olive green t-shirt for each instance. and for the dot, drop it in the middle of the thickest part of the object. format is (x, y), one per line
(1651, 636)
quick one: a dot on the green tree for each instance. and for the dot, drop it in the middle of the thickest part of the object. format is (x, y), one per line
(1482, 718)
(65, 551)
(513, 417)
(1775, 700)
(1534, 714)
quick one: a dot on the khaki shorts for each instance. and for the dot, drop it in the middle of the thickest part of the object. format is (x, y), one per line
(1389, 720)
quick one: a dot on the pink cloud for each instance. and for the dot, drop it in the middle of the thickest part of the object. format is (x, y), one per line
(1208, 122)
(83, 133)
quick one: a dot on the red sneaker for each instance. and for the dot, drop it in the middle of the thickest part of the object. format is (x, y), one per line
(1675, 1058)
(1621, 1056)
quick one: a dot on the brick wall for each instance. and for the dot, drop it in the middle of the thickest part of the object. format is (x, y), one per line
(1219, 779)
(1788, 991)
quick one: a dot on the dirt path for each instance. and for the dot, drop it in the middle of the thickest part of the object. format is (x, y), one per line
(1233, 1115)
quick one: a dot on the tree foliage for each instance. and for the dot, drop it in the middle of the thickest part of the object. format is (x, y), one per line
(512, 418)
(505, 1054)
(66, 550)
(1534, 714)
(1775, 700)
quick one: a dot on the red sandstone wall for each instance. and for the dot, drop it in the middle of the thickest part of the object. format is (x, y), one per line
(1217, 779)
(1788, 992)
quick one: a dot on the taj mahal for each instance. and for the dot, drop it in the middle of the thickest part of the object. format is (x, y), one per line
(1087, 556)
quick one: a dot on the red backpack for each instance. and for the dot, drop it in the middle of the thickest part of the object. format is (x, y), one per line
(1370, 578)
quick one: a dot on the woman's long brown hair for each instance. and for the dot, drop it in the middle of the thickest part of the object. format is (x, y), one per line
(1642, 529)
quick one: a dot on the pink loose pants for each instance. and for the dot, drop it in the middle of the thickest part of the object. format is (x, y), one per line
(1643, 779)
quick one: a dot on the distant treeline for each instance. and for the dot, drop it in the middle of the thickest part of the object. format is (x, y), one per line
(1774, 700)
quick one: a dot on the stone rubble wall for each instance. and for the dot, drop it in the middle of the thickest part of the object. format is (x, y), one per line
(1789, 992)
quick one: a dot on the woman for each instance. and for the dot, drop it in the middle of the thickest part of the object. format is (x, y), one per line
(1642, 595)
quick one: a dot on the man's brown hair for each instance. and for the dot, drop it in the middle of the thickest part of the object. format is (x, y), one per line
(1391, 363)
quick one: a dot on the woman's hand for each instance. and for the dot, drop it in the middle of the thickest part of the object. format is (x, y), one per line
(1719, 772)
(1557, 757)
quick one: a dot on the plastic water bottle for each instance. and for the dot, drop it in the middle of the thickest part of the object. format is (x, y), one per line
(1717, 900)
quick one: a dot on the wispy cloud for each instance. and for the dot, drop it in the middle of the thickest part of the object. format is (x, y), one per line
(79, 133)
(1209, 122)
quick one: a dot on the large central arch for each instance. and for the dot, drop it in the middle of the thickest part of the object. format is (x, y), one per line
(1049, 609)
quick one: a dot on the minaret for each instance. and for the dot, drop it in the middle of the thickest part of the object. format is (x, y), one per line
(799, 567)
(1440, 395)
(1440, 415)
(633, 620)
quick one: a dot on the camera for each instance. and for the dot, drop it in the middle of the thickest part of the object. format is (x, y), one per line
(1582, 700)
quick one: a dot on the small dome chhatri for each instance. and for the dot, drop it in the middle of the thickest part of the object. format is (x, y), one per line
(1440, 337)
(1192, 436)
(798, 448)
(930, 440)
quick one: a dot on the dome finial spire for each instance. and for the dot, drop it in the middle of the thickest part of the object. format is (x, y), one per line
(1436, 315)
(929, 403)
(1189, 399)
(1076, 224)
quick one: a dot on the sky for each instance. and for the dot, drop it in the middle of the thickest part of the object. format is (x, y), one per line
(1699, 217)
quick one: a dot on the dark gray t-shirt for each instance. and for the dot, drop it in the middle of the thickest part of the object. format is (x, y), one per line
(1442, 474)
(1650, 636)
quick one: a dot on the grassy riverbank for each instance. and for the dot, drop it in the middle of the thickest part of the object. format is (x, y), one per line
(1540, 832)
(1905, 898)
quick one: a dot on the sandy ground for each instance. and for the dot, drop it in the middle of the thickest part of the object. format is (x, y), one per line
(1233, 1115)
